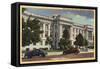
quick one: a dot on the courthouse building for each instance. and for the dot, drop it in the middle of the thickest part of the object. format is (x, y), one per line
(46, 25)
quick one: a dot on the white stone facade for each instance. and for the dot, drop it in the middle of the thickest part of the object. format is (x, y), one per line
(73, 28)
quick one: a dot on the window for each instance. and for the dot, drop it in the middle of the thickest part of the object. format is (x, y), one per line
(90, 35)
(46, 27)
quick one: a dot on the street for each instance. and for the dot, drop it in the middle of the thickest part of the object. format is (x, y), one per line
(61, 57)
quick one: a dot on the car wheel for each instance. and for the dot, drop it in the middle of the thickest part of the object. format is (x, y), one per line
(76, 53)
(42, 55)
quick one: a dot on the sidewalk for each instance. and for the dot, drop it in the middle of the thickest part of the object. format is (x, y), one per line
(59, 53)
(55, 53)
(90, 50)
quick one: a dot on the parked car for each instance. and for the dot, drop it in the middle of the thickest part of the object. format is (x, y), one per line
(71, 50)
(35, 52)
(28, 53)
(39, 52)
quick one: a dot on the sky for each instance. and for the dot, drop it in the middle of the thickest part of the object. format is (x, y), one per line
(77, 16)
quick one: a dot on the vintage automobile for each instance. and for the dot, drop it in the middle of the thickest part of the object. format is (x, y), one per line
(71, 50)
(35, 52)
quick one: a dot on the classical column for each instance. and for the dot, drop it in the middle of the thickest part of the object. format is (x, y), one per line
(92, 36)
(43, 42)
(74, 33)
(87, 35)
(71, 34)
(48, 29)
(61, 31)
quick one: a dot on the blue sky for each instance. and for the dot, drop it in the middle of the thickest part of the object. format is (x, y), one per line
(78, 16)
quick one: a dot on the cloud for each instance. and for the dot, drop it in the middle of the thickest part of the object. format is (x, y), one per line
(79, 19)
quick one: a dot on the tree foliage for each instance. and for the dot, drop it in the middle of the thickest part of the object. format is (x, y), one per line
(23, 9)
(64, 41)
(80, 40)
(31, 31)
(66, 34)
(48, 40)
(85, 42)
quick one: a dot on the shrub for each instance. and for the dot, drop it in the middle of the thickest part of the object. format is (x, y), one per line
(91, 47)
(44, 49)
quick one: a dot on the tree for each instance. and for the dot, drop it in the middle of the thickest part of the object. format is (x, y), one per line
(64, 41)
(66, 34)
(31, 31)
(85, 42)
(26, 36)
(48, 40)
(23, 9)
(80, 40)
